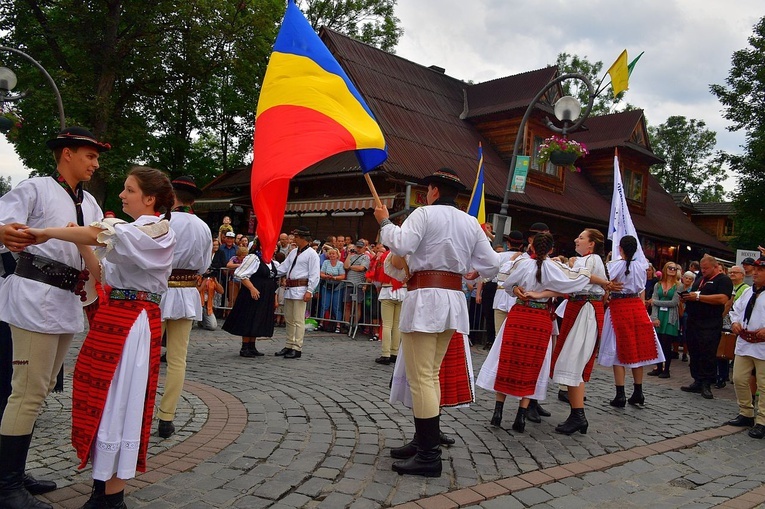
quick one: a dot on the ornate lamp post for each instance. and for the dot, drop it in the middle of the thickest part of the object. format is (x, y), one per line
(567, 110)
(8, 83)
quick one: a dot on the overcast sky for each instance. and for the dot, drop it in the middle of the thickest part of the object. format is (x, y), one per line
(688, 46)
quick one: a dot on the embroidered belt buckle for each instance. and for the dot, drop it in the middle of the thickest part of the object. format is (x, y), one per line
(48, 271)
(292, 283)
(435, 279)
(534, 304)
(126, 294)
(623, 295)
(591, 297)
(750, 337)
(182, 284)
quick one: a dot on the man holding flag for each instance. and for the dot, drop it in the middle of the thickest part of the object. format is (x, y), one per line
(442, 243)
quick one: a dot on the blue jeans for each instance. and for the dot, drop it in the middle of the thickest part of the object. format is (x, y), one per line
(331, 297)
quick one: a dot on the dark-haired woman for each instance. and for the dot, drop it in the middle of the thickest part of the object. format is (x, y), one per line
(576, 348)
(519, 361)
(252, 315)
(629, 339)
(115, 378)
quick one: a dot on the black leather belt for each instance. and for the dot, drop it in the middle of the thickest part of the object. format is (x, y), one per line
(48, 271)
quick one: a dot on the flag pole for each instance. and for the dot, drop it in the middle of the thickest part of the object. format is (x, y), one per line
(371, 185)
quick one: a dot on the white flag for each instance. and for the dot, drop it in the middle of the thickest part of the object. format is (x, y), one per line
(620, 222)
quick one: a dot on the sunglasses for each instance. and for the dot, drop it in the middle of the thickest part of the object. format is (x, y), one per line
(671, 268)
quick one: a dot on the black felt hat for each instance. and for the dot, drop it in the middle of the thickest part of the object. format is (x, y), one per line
(445, 177)
(77, 137)
(536, 228)
(302, 231)
(186, 183)
(515, 237)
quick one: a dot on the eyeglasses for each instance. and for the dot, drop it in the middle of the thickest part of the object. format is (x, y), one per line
(671, 268)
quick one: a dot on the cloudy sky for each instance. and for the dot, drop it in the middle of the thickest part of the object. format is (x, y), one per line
(688, 46)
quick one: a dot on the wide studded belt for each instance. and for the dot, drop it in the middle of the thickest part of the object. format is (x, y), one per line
(48, 271)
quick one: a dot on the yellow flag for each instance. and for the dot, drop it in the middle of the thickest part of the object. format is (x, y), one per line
(620, 74)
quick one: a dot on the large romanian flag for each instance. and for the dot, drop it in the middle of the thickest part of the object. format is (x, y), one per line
(477, 205)
(308, 110)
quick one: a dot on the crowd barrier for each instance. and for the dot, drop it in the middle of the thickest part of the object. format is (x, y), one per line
(338, 304)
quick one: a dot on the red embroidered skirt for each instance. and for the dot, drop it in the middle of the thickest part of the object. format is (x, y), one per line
(95, 367)
(523, 349)
(573, 307)
(454, 376)
(634, 332)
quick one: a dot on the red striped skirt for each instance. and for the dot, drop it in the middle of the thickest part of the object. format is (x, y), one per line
(573, 307)
(634, 332)
(95, 367)
(523, 349)
(454, 376)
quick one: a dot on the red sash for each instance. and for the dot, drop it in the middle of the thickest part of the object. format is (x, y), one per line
(524, 344)
(573, 307)
(454, 375)
(635, 335)
(95, 367)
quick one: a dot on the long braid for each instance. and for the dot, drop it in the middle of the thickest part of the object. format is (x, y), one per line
(543, 243)
(629, 246)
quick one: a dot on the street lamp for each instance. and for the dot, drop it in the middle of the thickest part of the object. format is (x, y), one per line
(567, 109)
(8, 83)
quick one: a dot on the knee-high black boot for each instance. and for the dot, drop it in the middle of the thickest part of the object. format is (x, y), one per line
(576, 422)
(13, 495)
(427, 461)
(496, 419)
(406, 451)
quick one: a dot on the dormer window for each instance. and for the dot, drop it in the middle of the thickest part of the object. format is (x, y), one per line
(634, 185)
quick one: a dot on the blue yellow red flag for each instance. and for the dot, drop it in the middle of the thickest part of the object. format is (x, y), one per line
(308, 110)
(477, 205)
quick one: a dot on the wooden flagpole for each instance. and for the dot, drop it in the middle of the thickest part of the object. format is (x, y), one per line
(371, 185)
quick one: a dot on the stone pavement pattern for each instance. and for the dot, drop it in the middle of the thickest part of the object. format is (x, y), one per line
(315, 433)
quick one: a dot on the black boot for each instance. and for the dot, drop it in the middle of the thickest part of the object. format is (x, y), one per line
(576, 422)
(245, 350)
(496, 419)
(13, 495)
(445, 439)
(541, 410)
(254, 352)
(36, 487)
(637, 398)
(531, 412)
(520, 420)
(620, 400)
(706, 390)
(97, 498)
(427, 461)
(405, 451)
(115, 501)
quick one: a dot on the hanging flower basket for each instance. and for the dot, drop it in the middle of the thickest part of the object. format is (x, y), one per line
(561, 158)
(561, 152)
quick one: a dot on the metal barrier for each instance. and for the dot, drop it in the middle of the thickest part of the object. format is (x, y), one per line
(342, 303)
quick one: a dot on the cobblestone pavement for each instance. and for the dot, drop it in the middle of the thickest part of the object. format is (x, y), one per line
(315, 433)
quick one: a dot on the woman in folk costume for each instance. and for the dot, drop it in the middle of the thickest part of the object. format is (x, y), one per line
(629, 339)
(253, 313)
(576, 348)
(519, 362)
(115, 378)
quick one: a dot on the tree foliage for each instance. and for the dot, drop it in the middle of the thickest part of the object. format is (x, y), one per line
(605, 102)
(691, 164)
(743, 100)
(370, 21)
(169, 84)
(5, 184)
